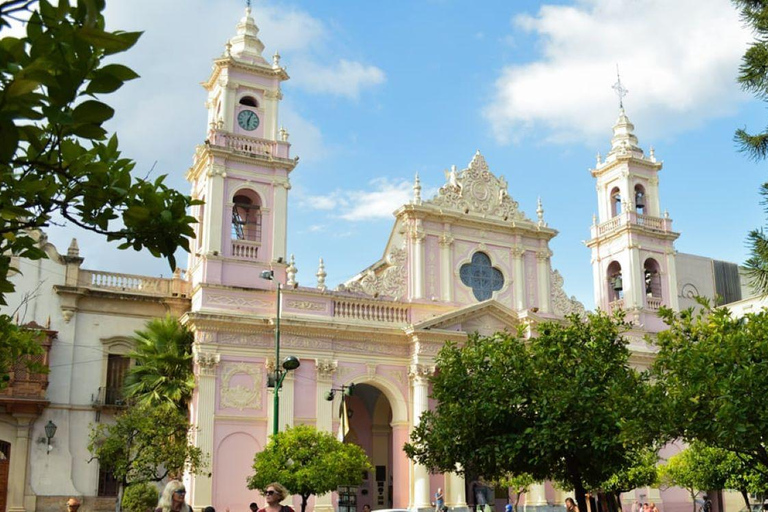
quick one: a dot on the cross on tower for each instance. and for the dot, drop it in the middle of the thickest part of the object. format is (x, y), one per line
(248, 3)
(621, 91)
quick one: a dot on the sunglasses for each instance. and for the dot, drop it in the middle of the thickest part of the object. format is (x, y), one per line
(270, 492)
(180, 491)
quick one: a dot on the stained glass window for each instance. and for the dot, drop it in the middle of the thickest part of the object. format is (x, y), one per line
(480, 275)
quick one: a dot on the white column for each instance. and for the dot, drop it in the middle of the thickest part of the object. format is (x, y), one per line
(542, 268)
(633, 276)
(19, 461)
(446, 267)
(518, 277)
(214, 211)
(417, 258)
(202, 484)
(228, 106)
(279, 219)
(286, 403)
(455, 496)
(325, 414)
(419, 373)
(536, 496)
(672, 300)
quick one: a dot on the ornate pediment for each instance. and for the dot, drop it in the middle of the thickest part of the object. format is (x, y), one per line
(486, 317)
(388, 280)
(477, 190)
(562, 304)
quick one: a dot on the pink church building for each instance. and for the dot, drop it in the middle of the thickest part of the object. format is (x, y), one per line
(466, 260)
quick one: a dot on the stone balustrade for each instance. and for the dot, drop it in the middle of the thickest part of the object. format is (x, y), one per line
(245, 249)
(653, 303)
(663, 225)
(616, 305)
(113, 281)
(369, 311)
(251, 145)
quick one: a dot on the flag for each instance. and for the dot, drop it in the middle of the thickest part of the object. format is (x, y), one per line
(343, 421)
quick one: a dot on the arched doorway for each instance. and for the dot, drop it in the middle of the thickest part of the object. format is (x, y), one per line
(370, 418)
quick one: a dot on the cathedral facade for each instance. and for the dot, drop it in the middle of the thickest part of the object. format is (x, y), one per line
(466, 260)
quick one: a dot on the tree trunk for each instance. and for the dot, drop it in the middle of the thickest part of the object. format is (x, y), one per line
(610, 501)
(745, 495)
(119, 501)
(693, 497)
(304, 499)
(517, 500)
(581, 499)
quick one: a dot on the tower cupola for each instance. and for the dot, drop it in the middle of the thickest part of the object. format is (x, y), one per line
(245, 44)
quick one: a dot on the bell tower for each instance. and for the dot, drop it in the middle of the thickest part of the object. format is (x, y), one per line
(242, 170)
(632, 243)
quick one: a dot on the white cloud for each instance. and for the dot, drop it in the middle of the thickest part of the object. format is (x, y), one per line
(384, 198)
(679, 60)
(345, 78)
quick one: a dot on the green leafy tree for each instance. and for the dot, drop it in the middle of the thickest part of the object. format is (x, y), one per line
(713, 370)
(307, 461)
(163, 374)
(753, 77)
(753, 73)
(517, 485)
(56, 160)
(558, 406)
(696, 469)
(145, 444)
(642, 472)
(140, 497)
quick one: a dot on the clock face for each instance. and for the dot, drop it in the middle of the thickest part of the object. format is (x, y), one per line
(248, 120)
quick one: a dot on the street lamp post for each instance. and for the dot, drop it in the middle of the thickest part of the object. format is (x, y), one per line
(290, 363)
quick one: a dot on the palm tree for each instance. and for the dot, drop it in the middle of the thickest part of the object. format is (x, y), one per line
(163, 375)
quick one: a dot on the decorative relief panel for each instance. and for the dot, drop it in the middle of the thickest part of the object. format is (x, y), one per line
(229, 300)
(561, 303)
(241, 395)
(477, 190)
(306, 305)
(252, 340)
(389, 282)
(398, 376)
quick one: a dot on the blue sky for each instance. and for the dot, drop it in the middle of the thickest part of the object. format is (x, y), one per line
(383, 90)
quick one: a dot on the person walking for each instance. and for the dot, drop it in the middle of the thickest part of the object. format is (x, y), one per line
(274, 494)
(439, 500)
(172, 498)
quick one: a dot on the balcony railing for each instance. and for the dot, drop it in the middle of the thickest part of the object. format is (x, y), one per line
(370, 311)
(250, 145)
(245, 249)
(24, 382)
(663, 225)
(616, 305)
(112, 281)
(653, 303)
(109, 397)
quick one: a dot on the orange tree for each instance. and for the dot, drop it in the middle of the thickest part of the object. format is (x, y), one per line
(565, 405)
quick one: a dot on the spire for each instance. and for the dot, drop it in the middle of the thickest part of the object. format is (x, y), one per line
(417, 190)
(321, 275)
(246, 45)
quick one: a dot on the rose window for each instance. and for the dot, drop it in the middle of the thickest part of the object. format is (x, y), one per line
(480, 275)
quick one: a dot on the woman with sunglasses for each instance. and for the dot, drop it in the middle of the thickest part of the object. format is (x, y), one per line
(275, 493)
(172, 499)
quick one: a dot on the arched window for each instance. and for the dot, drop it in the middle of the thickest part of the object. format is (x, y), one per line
(640, 199)
(615, 282)
(249, 101)
(652, 278)
(246, 216)
(615, 202)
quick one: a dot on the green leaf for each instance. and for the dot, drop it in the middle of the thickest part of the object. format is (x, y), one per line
(92, 111)
(110, 42)
(9, 140)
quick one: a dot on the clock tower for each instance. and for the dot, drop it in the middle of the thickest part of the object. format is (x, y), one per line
(242, 170)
